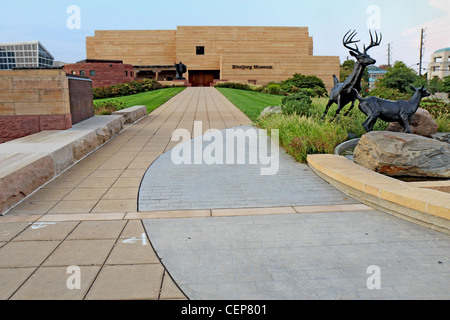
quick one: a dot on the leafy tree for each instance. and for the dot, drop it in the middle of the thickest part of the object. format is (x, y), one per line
(399, 77)
(434, 85)
(445, 85)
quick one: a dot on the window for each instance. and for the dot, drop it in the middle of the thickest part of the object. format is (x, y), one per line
(92, 72)
(126, 73)
(200, 50)
(81, 73)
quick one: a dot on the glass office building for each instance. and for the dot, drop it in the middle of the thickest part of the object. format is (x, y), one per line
(30, 54)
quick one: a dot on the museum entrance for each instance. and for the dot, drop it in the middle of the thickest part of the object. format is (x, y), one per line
(203, 78)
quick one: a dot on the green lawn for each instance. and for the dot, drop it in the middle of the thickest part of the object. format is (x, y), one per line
(151, 99)
(249, 102)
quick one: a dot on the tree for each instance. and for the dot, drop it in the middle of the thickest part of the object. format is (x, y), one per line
(434, 85)
(399, 77)
(445, 85)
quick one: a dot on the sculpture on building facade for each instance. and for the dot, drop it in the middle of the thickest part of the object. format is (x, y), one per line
(344, 93)
(180, 68)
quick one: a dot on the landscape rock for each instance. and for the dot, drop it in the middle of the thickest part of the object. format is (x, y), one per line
(442, 136)
(403, 154)
(270, 110)
(421, 123)
(16, 184)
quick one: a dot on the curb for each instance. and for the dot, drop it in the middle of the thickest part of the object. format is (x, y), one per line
(425, 206)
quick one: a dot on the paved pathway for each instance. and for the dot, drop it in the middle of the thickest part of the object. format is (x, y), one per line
(170, 186)
(303, 256)
(84, 212)
(88, 217)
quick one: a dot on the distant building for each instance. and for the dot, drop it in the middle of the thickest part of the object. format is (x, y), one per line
(439, 66)
(102, 72)
(253, 55)
(375, 73)
(29, 54)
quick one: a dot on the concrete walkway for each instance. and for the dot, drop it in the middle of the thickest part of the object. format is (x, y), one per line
(88, 217)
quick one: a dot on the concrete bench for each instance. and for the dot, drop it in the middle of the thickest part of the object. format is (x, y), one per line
(29, 162)
(132, 114)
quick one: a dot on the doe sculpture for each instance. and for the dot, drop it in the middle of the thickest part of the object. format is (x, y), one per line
(343, 93)
(390, 111)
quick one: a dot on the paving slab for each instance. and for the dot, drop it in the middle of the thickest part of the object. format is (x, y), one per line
(303, 256)
(168, 185)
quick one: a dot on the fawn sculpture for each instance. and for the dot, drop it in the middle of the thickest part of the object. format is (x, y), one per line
(391, 111)
(343, 93)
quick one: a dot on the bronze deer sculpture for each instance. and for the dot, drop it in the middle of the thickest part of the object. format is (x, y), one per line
(343, 93)
(391, 111)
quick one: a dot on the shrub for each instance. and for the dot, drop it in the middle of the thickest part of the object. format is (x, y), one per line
(107, 107)
(297, 103)
(435, 107)
(299, 81)
(273, 88)
(234, 85)
(125, 89)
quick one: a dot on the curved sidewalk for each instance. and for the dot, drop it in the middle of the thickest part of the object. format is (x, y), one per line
(88, 217)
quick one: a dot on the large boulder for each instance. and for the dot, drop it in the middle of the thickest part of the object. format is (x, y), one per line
(421, 123)
(403, 154)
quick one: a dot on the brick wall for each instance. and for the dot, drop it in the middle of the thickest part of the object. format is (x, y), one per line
(106, 73)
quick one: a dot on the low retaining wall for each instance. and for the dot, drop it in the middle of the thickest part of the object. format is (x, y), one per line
(29, 162)
(421, 205)
(132, 114)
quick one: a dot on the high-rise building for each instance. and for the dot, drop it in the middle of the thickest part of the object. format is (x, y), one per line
(28, 54)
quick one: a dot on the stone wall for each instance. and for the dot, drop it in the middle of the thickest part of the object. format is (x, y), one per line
(35, 100)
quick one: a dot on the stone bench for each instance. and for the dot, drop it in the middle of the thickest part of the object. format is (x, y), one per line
(29, 162)
(132, 114)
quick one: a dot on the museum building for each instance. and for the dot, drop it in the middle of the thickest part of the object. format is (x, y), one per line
(253, 55)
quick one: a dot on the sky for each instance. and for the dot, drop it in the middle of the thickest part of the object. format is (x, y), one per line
(63, 31)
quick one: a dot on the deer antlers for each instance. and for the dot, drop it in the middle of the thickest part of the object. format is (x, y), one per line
(348, 39)
(373, 43)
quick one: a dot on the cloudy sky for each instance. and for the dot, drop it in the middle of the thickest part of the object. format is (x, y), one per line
(399, 21)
